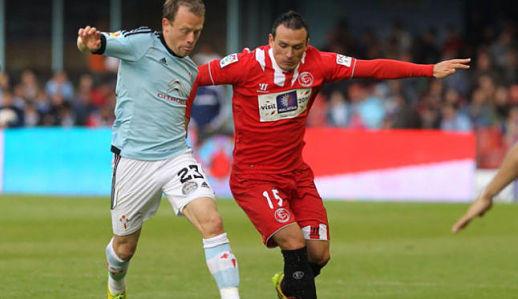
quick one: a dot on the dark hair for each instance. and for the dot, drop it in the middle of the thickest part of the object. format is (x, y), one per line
(291, 20)
(171, 7)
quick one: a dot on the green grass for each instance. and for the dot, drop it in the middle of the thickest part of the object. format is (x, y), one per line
(54, 248)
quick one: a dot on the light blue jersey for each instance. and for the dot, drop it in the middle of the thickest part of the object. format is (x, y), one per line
(153, 85)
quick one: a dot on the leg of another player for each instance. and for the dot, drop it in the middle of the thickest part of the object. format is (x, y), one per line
(222, 263)
(298, 281)
(318, 255)
(118, 254)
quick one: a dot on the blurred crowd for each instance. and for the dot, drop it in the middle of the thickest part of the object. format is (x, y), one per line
(483, 100)
(27, 102)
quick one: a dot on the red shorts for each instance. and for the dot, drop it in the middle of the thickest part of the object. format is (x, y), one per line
(277, 200)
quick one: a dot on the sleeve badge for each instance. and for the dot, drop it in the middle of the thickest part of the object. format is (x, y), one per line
(343, 60)
(227, 60)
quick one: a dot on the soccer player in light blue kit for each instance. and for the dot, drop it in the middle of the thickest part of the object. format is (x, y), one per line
(149, 141)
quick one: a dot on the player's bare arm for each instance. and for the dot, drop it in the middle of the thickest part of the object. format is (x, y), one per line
(88, 39)
(505, 175)
(448, 67)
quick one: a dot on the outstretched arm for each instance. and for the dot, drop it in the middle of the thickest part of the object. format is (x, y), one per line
(395, 69)
(88, 39)
(506, 174)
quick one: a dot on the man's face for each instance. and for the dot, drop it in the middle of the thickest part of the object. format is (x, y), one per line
(288, 46)
(182, 34)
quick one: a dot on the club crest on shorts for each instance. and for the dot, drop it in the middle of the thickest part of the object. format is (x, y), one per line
(189, 187)
(124, 221)
(282, 215)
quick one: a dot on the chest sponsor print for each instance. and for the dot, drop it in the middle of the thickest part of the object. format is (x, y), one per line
(283, 105)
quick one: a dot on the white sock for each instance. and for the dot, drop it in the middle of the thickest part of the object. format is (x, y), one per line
(229, 293)
(117, 269)
(222, 265)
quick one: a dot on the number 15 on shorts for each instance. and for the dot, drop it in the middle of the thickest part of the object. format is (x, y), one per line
(274, 193)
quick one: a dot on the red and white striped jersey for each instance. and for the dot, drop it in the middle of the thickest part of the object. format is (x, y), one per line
(270, 106)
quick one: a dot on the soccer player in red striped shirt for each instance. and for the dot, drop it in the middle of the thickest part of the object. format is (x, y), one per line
(274, 87)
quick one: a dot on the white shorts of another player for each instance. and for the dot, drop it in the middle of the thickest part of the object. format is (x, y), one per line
(139, 185)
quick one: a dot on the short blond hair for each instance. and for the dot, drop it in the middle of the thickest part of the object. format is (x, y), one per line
(171, 7)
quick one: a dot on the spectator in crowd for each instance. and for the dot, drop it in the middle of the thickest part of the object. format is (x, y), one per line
(10, 115)
(453, 120)
(338, 111)
(29, 85)
(59, 83)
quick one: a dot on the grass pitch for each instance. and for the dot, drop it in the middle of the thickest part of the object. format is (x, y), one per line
(54, 248)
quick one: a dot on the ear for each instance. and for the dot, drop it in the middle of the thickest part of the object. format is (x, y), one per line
(165, 23)
(270, 40)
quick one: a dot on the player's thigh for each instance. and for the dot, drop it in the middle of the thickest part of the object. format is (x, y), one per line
(266, 204)
(135, 194)
(309, 209)
(186, 182)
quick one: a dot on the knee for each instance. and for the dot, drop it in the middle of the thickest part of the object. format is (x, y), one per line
(212, 225)
(125, 250)
(321, 258)
(289, 241)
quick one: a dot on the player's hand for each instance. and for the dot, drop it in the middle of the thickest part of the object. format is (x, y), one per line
(477, 209)
(88, 39)
(445, 68)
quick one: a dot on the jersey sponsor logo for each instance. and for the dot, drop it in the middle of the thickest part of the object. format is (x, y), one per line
(176, 85)
(172, 99)
(283, 105)
(287, 102)
(343, 60)
(229, 59)
(306, 79)
(282, 215)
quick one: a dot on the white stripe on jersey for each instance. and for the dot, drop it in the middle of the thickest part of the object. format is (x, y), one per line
(278, 78)
(296, 72)
(354, 67)
(259, 56)
(210, 74)
(295, 75)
